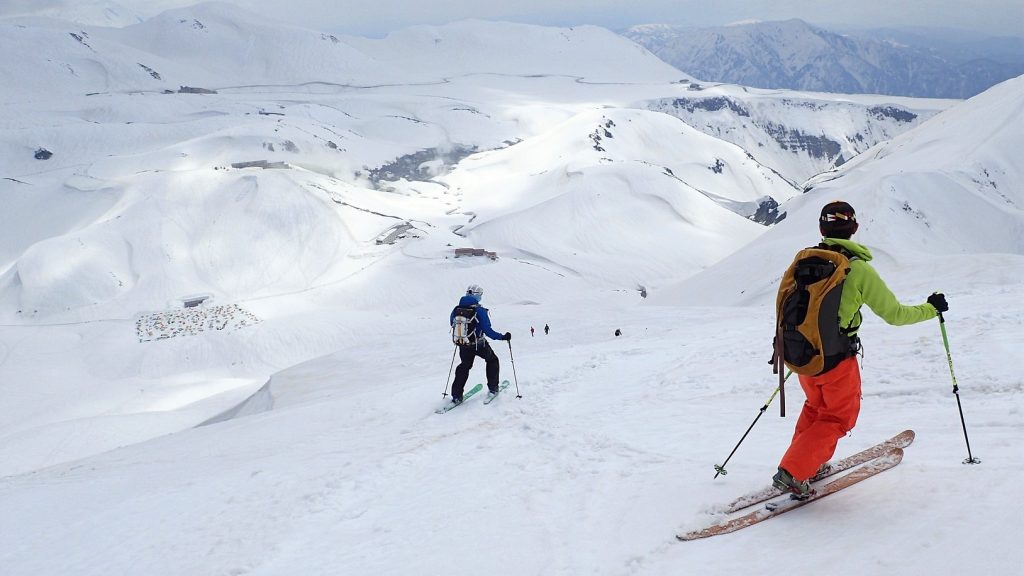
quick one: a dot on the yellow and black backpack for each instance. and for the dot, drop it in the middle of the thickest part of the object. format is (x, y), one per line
(808, 337)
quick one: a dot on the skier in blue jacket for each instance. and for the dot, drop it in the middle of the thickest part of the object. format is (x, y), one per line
(476, 345)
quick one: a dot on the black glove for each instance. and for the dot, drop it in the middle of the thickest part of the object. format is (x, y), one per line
(938, 300)
(507, 336)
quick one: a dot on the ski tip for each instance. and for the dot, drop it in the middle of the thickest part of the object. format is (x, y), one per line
(895, 456)
(707, 532)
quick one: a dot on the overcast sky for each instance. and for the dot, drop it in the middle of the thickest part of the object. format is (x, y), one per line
(377, 17)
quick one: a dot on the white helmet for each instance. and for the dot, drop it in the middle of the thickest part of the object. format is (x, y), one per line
(475, 290)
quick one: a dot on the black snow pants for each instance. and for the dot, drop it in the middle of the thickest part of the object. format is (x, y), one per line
(467, 354)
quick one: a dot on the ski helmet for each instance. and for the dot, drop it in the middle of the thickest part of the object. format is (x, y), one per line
(475, 290)
(837, 220)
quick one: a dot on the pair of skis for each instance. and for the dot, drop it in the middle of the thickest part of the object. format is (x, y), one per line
(861, 465)
(471, 392)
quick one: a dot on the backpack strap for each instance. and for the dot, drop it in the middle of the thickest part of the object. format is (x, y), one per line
(848, 331)
(837, 248)
(845, 330)
(779, 367)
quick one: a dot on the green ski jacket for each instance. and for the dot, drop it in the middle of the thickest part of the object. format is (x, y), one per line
(864, 286)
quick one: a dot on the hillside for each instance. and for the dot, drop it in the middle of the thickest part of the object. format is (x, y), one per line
(593, 192)
(133, 155)
(942, 192)
(799, 134)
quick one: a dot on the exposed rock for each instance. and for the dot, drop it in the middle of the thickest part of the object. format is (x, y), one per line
(768, 212)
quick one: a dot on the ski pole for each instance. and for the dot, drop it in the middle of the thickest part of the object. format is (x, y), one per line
(512, 358)
(956, 391)
(445, 393)
(720, 468)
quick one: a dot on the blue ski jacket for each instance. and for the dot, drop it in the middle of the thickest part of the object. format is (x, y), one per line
(483, 321)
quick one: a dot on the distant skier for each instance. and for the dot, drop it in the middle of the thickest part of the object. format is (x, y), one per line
(618, 332)
(470, 323)
(546, 329)
(833, 395)
(531, 331)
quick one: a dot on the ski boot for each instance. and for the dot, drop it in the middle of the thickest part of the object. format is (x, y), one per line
(784, 481)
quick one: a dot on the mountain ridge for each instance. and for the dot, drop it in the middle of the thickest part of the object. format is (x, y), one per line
(793, 54)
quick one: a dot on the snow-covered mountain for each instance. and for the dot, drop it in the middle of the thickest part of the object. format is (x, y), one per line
(795, 55)
(217, 46)
(211, 46)
(224, 311)
(88, 12)
(135, 147)
(798, 134)
(593, 192)
(946, 191)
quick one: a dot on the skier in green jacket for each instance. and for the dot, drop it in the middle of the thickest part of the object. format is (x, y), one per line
(833, 397)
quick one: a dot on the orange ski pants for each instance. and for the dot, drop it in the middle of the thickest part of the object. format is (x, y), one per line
(830, 411)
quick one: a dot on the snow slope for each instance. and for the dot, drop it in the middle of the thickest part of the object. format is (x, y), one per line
(469, 47)
(606, 456)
